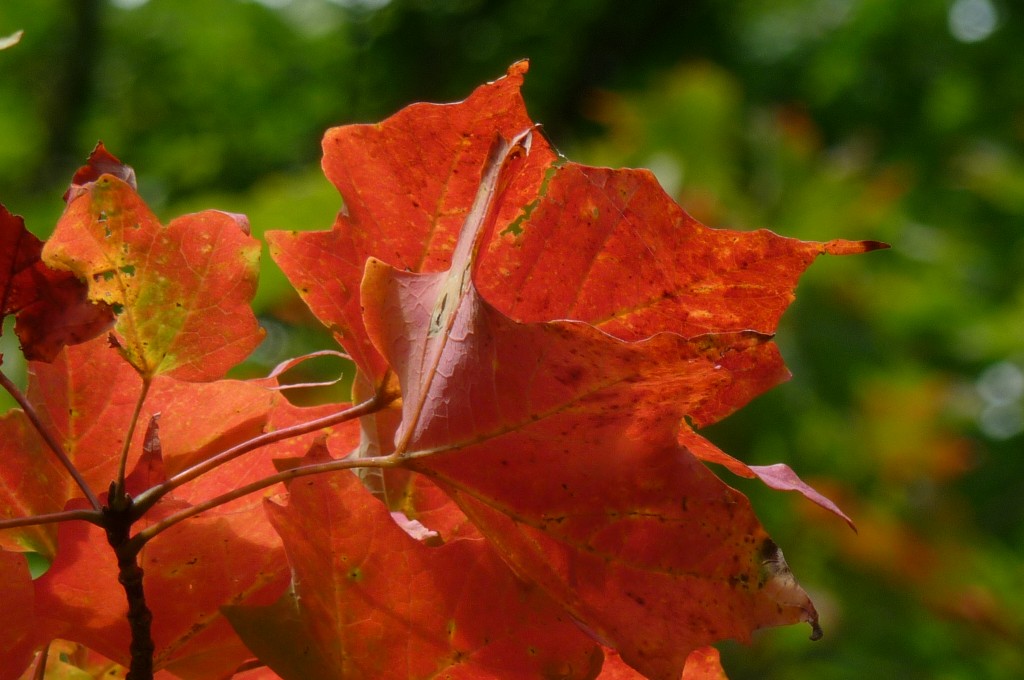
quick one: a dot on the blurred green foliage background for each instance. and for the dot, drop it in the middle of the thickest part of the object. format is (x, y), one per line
(896, 121)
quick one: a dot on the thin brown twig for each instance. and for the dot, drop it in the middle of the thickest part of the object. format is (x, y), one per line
(91, 516)
(148, 498)
(139, 539)
(118, 491)
(50, 439)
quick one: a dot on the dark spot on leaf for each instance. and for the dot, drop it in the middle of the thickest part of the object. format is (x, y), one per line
(769, 551)
(571, 376)
(741, 580)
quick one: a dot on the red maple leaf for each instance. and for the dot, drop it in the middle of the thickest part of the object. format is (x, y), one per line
(537, 342)
(191, 571)
(51, 306)
(17, 620)
(554, 328)
(229, 555)
(180, 292)
(376, 603)
(86, 397)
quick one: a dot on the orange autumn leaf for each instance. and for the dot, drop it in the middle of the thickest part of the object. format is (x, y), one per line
(537, 344)
(51, 306)
(17, 623)
(180, 292)
(555, 329)
(376, 603)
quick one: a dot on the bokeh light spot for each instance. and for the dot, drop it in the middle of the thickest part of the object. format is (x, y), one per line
(972, 20)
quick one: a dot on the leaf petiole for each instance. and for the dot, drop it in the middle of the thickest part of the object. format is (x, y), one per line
(148, 498)
(117, 496)
(143, 536)
(50, 439)
(91, 516)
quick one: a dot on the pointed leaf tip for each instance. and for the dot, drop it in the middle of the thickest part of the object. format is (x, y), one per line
(241, 220)
(519, 68)
(101, 162)
(704, 663)
(844, 247)
(782, 478)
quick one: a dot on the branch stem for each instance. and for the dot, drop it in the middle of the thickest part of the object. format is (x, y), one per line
(91, 516)
(50, 439)
(118, 522)
(349, 463)
(118, 491)
(148, 533)
(149, 497)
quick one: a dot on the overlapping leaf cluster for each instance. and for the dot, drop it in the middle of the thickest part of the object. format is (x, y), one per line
(175, 301)
(539, 340)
